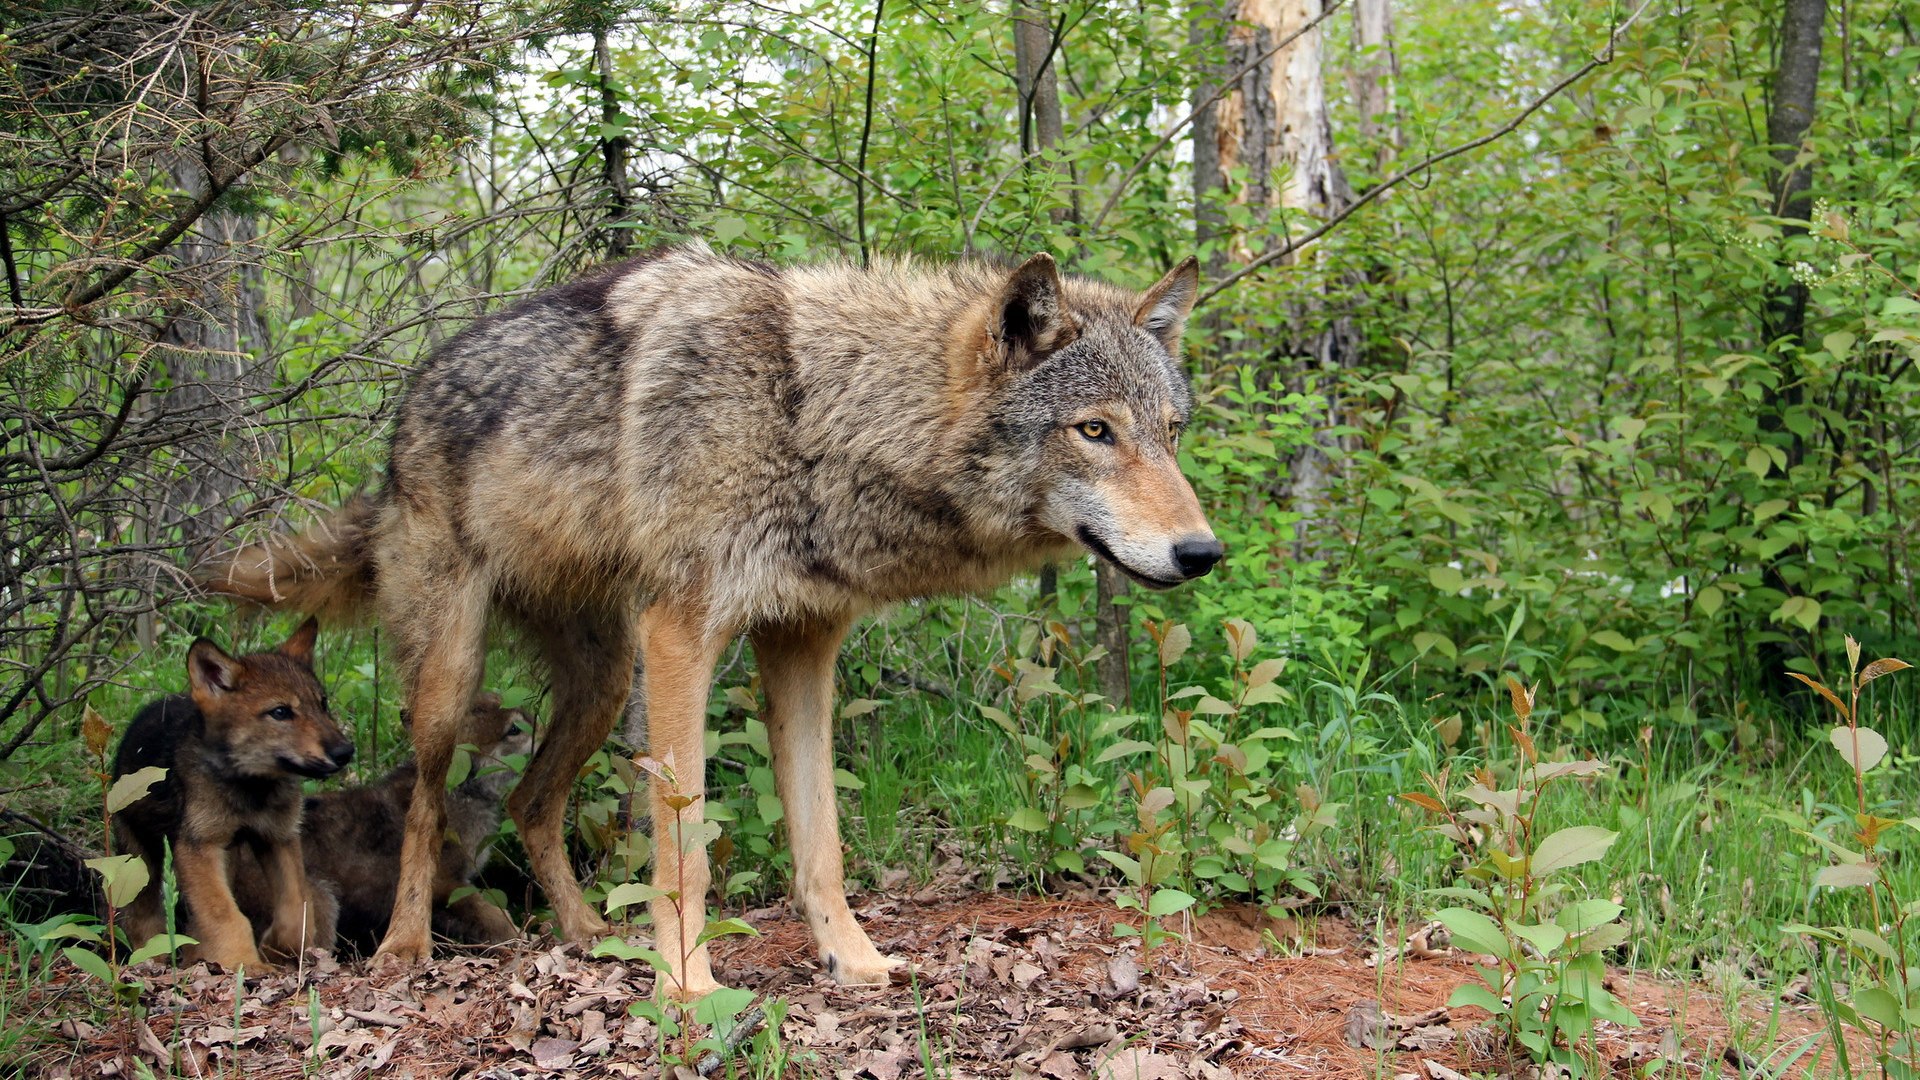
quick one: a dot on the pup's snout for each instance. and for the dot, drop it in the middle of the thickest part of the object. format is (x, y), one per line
(1195, 556)
(340, 753)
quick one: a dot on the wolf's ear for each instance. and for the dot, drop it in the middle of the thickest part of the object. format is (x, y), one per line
(1164, 308)
(1030, 317)
(211, 672)
(300, 645)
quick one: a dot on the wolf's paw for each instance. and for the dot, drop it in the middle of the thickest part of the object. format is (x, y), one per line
(868, 967)
(581, 923)
(396, 954)
(690, 989)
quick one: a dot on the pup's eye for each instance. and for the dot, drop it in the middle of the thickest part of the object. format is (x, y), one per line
(1174, 428)
(1096, 430)
(281, 712)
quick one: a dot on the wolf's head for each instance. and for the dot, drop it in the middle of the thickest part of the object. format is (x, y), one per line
(266, 713)
(1093, 397)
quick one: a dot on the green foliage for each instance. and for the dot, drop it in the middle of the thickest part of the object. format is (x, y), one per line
(1545, 986)
(1876, 942)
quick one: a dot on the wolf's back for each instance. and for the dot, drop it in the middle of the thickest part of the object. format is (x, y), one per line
(326, 570)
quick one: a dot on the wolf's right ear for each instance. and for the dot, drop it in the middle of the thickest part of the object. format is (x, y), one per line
(1164, 308)
(1030, 317)
(210, 671)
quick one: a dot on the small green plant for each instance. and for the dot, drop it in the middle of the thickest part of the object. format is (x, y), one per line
(1545, 987)
(1885, 1000)
(721, 1011)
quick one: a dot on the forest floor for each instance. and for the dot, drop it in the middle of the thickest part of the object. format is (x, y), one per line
(1004, 986)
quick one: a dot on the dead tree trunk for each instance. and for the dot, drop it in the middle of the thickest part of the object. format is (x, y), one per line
(1274, 125)
(1371, 79)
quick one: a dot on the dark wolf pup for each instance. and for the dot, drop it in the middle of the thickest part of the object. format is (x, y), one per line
(351, 838)
(684, 447)
(236, 747)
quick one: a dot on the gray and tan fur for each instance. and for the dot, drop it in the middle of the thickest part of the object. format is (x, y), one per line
(684, 447)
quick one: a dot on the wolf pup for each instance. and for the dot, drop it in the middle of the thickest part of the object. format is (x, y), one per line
(236, 747)
(351, 838)
(683, 447)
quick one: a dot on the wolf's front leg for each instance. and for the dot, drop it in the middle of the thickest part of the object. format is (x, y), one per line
(678, 654)
(224, 934)
(796, 669)
(297, 924)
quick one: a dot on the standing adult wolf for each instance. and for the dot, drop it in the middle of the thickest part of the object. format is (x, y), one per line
(683, 447)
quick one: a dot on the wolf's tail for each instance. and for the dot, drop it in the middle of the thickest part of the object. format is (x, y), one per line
(325, 571)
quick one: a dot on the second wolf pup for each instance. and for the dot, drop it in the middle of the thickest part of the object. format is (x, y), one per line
(236, 747)
(351, 839)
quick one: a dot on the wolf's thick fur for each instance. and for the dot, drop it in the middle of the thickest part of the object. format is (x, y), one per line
(683, 447)
(351, 839)
(235, 748)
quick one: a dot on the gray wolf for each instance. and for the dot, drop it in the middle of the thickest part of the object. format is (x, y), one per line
(351, 839)
(683, 447)
(236, 747)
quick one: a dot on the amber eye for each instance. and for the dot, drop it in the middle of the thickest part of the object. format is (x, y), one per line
(1096, 430)
(281, 712)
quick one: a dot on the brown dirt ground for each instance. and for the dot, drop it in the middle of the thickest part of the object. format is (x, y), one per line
(1005, 986)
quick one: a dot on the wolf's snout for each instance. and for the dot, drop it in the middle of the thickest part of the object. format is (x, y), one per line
(340, 754)
(1195, 557)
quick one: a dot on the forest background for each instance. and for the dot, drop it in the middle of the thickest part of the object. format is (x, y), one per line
(1566, 341)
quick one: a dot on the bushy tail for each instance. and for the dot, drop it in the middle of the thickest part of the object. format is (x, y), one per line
(326, 570)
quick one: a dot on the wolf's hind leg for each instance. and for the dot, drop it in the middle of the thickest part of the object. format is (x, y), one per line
(679, 652)
(796, 670)
(590, 658)
(440, 640)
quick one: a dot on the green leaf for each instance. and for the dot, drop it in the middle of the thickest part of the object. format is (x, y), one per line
(720, 928)
(1126, 864)
(123, 875)
(1166, 902)
(159, 945)
(133, 787)
(90, 962)
(1175, 644)
(1447, 579)
(1759, 462)
(1474, 932)
(1804, 610)
(1571, 847)
(1584, 915)
(619, 949)
(1122, 749)
(1862, 748)
(631, 893)
(1476, 996)
(1615, 640)
(722, 1005)
(1879, 1005)
(1709, 600)
(844, 779)
(1546, 937)
(1029, 819)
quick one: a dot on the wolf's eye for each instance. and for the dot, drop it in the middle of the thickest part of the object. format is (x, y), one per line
(1096, 430)
(281, 712)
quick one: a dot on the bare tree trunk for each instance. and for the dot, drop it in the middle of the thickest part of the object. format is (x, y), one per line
(213, 354)
(1274, 124)
(1784, 314)
(1371, 80)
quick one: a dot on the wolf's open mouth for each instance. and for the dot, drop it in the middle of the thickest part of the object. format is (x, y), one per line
(1095, 545)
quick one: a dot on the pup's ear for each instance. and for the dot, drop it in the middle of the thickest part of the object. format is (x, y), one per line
(1164, 308)
(211, 672)
(300, 645)
(1030, 317)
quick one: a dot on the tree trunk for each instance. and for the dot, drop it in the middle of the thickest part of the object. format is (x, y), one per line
(1371, 80)
(614, 153)
(213, 354)
(1784, 312)
(1273, 122)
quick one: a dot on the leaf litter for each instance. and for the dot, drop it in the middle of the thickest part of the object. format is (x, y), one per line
(1001, 986)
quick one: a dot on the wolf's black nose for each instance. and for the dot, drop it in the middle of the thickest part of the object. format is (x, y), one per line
(1196, 557)
(340, 755)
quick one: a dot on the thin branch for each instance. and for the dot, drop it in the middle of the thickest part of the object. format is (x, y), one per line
(1275, 255)
(866, 131)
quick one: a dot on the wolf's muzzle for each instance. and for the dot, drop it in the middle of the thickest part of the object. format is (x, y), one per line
(1195, 557)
